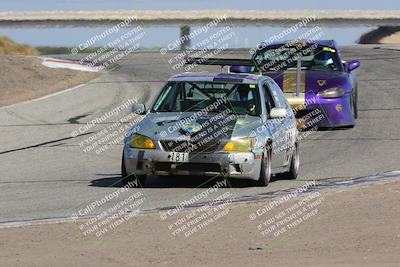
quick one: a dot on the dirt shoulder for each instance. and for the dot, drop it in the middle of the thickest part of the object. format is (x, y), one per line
(24, 78)
(391, 39)
(352, 227)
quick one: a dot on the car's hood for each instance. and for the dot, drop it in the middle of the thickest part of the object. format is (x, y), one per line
(182, 126)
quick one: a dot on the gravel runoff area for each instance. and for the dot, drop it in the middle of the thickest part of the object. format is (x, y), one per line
(357, 226)
(25, 78)
(391, 39)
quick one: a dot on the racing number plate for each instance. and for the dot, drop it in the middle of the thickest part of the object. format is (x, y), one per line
(178, 157)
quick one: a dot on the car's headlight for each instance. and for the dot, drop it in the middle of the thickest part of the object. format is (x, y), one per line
(140, 141)
(240, 145)
(331, 93)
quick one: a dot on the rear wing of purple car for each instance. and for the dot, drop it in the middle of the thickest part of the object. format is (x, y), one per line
(239, 62)
(220, 61)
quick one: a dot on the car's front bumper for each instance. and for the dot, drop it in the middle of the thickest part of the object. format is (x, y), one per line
(335, 112)
(229, 165)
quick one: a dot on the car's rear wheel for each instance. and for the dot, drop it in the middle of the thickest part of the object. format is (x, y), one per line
(294, 164)
(266, 170)
(130, 178)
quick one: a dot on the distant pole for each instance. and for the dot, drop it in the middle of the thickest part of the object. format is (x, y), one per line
(298, 76)
(185, 33)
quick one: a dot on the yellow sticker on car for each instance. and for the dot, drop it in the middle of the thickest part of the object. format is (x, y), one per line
(289, 89)
(329, 49)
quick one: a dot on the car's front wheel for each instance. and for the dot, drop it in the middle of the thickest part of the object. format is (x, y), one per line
(266, 170)
(354, 99)
(128, 179)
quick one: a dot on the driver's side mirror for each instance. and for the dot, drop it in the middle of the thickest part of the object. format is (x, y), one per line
(277, 113)
(352, 65)
(139, 108)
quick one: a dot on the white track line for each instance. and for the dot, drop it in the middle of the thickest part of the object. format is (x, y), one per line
(44, 59)
(68, 64)
(388, 176)
(16, 224)
(44, 97)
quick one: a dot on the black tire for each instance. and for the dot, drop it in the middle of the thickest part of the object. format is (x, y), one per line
(266, 169)
(354, 108)
(293, 172)
(353, 104)
(354, 99)
(126, 179)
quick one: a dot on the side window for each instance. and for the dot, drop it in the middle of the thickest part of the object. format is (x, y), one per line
(282, 99)
(277, 95)
(269, 101)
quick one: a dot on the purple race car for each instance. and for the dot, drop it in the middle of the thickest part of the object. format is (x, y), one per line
(319, 85)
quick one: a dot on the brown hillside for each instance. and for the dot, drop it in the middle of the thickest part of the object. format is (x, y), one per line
(9, 47)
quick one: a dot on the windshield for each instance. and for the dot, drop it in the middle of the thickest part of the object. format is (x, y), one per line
(185, 96)
(283, 58)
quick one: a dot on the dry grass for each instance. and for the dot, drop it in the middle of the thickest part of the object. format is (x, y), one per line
(9, 47)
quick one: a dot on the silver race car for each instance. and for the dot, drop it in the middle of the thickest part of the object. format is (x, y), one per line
(231, 125)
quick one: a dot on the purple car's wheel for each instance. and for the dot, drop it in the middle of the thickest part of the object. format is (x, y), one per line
(266, 171)
(354, 103)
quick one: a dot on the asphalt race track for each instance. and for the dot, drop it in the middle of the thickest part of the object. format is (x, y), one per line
(46, 174)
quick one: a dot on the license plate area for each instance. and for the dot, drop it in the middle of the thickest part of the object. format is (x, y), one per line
(178, 157)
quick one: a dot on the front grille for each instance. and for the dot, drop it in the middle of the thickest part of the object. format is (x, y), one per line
(196, 167)
(188, 147)
(201, 167)
(163, 166)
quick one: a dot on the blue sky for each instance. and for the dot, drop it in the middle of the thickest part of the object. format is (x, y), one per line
(25, 5)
